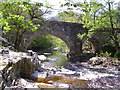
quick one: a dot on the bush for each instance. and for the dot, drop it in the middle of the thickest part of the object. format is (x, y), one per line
(117, 55)
(104, 54)
(42, 42)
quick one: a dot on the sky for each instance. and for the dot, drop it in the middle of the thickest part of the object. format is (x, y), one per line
(57, 3)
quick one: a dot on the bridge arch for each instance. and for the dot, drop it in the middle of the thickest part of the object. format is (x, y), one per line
(64, 30)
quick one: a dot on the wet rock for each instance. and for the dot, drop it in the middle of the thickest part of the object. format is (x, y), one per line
(63, 85)
(70, 66)
(4, 50)
(11, 48)
(24, 83)
(39, 74)
(3, 40)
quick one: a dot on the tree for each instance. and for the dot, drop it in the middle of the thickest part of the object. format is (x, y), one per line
(17, 17)
(100, 18)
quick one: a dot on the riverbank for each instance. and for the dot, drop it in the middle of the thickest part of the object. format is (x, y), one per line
(72, 75)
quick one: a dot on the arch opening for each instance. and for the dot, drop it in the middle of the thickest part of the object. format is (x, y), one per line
(48, 42)
(91, 45)
(52, 47)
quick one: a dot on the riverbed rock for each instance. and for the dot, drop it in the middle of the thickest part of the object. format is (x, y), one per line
(30, 53)
(3, 41)
(42, 57)
(105, 62)
(96, 60)
(27, 66)
(105, 82)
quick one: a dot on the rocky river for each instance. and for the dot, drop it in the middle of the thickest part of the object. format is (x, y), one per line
(57, 72)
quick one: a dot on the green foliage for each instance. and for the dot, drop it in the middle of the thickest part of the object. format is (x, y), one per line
(81, 36)
(69, 16)
(41, 42)
(106, 54)
(48, 5)
(15, 0)
(117, 55)
(17, 22)
(60, 44)
(48, 41)
(102, 18)
(14, 16)
(17, 18)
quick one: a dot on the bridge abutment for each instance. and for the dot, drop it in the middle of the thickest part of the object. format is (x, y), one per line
(75, 52)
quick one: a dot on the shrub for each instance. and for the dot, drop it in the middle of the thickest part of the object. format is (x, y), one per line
(117, 55)
(104, 54)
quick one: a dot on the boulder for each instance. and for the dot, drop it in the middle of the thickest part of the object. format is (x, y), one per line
(96, 60)
(3, 41)
(27, 66)
(30, 53)
(22, 67)
(104, 61)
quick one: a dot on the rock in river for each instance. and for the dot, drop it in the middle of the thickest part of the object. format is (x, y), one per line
(42, 57)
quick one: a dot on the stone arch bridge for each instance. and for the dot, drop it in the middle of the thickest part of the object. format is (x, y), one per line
(63, 30)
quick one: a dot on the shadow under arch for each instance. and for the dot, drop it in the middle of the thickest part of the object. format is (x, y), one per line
(52, 41)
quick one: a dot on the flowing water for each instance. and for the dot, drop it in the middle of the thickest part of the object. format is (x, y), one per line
(89, 76)
(57, 59)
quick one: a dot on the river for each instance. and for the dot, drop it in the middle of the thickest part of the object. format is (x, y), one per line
(90, 76)
(57, 58)
(58, 72)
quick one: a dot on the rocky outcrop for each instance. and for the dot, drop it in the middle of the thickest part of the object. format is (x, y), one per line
(104, 61)
(22, 67)
(25, 66)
